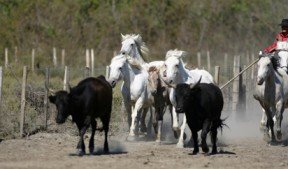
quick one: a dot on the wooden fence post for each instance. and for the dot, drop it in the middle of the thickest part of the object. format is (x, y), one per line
(87, 58)
(245, 90)
(92, 62)
(216, 76)
(23, 101)
(6, 58)
(226, 65)
(208, 62)
(87, 68)
(54, 57)
(33, 60)
(199, 59)
(47, 76)
(63, 57)
(66, 79)
(1, 84)
(16, 54)
(235, 95)
(107, 72)
(87, 72)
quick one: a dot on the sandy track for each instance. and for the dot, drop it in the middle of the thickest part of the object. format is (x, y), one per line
(46, 150)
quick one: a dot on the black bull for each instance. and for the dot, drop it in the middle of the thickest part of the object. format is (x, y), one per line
(202, 105)
(90, 99)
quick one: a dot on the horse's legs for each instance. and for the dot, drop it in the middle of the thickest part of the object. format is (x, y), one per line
(180, 143)
(128, 108)
(270, 123)
(135, 112)
(143, 128)
(159, 118)
(91, 142)
(175, 124)
(279, 117)
(263, 119)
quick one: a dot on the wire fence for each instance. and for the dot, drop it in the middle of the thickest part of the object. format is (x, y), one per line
(238, 96)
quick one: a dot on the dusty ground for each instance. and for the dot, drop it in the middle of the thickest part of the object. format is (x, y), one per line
(240, 146)
(46, 150)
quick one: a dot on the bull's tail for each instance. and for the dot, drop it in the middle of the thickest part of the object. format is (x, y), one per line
(219, 124)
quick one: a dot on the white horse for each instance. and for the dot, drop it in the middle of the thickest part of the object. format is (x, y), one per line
(176, 73)
(282, 55)
(133, 46)
(272, 93)
(135, 91)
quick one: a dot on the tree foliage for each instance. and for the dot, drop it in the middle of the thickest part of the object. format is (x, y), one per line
(216, 25)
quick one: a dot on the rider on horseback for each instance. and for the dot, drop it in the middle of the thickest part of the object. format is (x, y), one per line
(281, 37)
(279, 48)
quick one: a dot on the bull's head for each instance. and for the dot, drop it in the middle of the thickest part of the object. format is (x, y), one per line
(61, 101)
(184, 96)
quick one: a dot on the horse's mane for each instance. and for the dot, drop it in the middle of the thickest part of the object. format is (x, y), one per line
(132, 62)
(179, 54)
(144, 51)
(118, 57)
(275, 62)
(176, 53)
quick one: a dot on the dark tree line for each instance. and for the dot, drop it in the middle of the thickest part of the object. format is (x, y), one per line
(232, 26)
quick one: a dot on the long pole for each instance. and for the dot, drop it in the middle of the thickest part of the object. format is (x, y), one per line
(239, 74)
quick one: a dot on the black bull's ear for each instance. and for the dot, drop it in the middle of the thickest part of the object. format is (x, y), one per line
(52, 99)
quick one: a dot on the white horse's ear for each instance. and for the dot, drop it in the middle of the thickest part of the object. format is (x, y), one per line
(122, 36)
(196, 84)
(137, 36)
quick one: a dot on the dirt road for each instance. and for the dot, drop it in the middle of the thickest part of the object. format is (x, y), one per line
(46, 150)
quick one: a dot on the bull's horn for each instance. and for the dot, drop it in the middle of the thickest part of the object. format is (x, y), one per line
(196, 84)
(168, 84)
(69, 87)
(50, 90)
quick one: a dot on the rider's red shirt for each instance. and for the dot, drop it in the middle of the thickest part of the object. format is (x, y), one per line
(282, 36)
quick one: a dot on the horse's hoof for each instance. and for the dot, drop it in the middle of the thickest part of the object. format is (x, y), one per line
(262, 127)
(106, 151)
(142, 133)
(180, 145)
(131, 138)
(195, 152)
(184, 136)
(91, 151)
(80, 152)
(279, 135)
(266, 137)
(158, 141)
(205, 149)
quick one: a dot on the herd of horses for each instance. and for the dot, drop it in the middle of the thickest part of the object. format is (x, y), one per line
(151, 86)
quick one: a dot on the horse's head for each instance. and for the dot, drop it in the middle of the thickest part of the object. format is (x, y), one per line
(265, 66)
(154, 79)
(117, 69)
(133, 46)
(173, 65)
